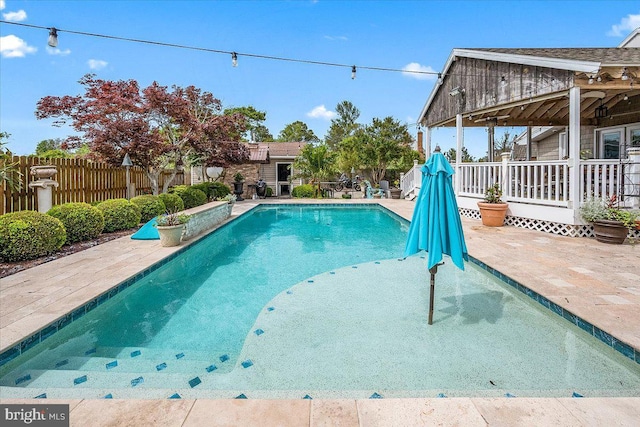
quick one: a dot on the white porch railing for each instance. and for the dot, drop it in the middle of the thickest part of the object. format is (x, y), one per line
(411, 180)
(543, 183)
(546, 182)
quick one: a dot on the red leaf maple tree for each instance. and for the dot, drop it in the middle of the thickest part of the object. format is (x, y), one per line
(156, 125)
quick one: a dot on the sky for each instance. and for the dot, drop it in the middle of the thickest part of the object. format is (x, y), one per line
(400, 35)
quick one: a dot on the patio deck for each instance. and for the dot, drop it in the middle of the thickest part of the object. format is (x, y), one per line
(598, 282)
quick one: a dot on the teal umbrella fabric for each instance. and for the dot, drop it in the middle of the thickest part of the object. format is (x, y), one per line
(436, 226)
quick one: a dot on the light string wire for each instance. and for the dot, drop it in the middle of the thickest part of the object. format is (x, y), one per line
(227, 52)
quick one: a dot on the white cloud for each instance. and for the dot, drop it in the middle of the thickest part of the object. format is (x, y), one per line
(414, 70)
(97, 64)
(628, 24)
(18, 16)
(14, 47)
(320, 112)
(56, 51)
(2, 5)
(340, 38)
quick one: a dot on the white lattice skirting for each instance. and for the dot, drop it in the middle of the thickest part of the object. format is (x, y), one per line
(546, 226)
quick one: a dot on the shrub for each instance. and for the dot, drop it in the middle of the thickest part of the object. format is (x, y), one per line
(150, 206)
(119, 214)
(303, 191)
(29, 234)
(191, 197)
(213, 190)
(81, 221)
(172, 202)
(269, 192)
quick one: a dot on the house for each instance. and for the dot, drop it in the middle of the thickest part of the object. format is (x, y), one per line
(581, 109)
(271, 161)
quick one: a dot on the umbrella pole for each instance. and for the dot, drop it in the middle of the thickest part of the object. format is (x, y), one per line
(432, 286)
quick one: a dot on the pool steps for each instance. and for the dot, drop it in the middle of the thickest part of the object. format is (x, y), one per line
(160, 368)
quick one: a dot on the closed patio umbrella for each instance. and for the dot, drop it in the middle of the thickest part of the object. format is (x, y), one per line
(436, 226)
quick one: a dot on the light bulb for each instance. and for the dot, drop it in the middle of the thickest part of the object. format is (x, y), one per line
(53, 37)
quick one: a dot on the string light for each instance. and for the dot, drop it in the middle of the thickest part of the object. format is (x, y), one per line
(503, 81)
(53, 37)
(202, 49)
(624, 76)
(590, 80)
(53, 42)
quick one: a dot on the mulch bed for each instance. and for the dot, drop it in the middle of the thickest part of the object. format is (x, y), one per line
(9, 268)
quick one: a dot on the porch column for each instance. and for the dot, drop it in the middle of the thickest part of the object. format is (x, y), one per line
(427, 142)
(490, 137)
(459, 145)
(574, 152)
(634, 174)
(528, 157)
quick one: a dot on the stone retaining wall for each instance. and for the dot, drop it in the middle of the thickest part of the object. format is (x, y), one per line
(206, 217)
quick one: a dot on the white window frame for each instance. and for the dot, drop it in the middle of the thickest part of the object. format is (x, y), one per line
(630, 129)
(563, 145)
(598, 140)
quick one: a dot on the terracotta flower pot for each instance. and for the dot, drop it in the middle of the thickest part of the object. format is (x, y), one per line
(170, 235)
(493, 214)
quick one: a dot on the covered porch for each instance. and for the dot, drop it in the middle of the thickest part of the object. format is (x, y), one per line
(580, 111)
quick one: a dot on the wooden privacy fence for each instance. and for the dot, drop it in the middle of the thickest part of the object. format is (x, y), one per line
(79, 180)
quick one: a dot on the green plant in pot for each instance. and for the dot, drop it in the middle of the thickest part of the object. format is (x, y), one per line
(493, 210)
(611, 224)
(238, 186)
(170, 227)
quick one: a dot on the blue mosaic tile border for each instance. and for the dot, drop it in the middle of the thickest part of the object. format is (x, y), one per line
(613, 342)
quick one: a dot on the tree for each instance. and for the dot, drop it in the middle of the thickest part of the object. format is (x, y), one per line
(503, 145)
(256, 129)
(316, 163)
(383, 144)
(297, 132)
(466, 157)
(9, 172)
(344, 125)
(48, 145)
(155, 126)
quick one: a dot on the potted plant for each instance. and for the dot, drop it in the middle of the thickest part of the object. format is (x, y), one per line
(238, 184)
(493, 210)
(610, 223)
(170, 227)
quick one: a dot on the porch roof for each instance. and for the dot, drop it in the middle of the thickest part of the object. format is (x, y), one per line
(530, 87)
(610, 56)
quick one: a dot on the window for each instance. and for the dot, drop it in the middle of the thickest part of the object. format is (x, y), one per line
(610, 141)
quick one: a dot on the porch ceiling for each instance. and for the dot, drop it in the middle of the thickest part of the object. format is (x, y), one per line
(623, 106)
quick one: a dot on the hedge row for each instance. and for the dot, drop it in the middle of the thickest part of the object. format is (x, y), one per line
(26, 235)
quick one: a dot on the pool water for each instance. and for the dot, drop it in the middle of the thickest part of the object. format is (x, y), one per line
(291, 301)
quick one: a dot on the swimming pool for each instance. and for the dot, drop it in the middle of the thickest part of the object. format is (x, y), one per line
(293, 301)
